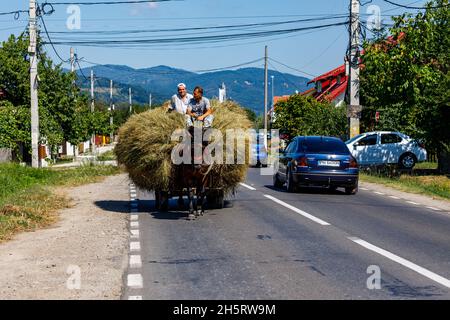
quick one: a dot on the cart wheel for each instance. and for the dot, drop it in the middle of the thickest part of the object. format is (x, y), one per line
(157, 199)
(216, 200)
(161, 200)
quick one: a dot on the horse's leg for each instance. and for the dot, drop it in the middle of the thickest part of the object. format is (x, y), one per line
(191, 215)
(180, 200)
(202, 199)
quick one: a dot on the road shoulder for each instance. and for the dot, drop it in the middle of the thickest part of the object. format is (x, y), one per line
(424, 200)
(82, 256)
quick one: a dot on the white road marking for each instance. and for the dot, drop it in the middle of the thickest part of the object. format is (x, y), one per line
(135, 261)
(412, 202)
(380, 193)
(394, 197)
(135, 246)
(134, 217)
(135, 281)
(247, 186)
(134, 234)
(135, 298)
(134, 224)
(427, 273)
(301, 212)
(365, 189)
(433, 208)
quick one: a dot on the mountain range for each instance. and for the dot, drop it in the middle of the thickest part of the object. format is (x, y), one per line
(245, 86)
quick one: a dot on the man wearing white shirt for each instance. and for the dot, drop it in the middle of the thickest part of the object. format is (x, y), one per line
(181, 100)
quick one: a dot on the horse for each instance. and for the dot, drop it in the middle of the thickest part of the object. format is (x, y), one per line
(194, 178)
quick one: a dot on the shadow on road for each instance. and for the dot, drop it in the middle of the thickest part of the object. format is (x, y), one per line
(308, 190)
(114, 205)
(148, 206)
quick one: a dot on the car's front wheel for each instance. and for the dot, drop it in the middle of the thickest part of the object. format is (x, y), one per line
(276, 181)
(407, 161)
(351, 190)
(290, 187)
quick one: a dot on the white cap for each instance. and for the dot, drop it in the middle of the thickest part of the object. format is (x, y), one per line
(181, 85)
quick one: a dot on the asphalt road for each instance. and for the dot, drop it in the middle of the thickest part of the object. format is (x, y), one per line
(270, 244)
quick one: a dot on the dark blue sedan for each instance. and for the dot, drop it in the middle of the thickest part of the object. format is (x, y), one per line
(317, 161)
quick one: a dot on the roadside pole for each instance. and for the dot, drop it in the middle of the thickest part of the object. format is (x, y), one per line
(354, 109)
(130, 100)
(72, 69)
(266, 93)
(93, 149)
(111, 112)
(35, 161)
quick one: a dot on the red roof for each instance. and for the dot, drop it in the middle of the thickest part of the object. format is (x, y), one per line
(330, 74)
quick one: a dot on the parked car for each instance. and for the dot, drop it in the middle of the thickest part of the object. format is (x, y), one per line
(258, 155)
(386, 147)
(317, 161)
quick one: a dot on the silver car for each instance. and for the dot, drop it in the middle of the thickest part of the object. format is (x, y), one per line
(386, 147)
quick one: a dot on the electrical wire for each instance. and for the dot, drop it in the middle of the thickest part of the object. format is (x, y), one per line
(292, 68)
(41, 16)
(118, 32)
(109, 2)
(413, 7)
(201, 39)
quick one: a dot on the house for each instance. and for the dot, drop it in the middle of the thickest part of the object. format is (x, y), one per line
(331, 86)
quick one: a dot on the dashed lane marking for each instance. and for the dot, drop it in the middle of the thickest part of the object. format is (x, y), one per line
(301, 212)
(135, 281)
(135, 246)
(410, 265)
(135, 261)
(247, 186)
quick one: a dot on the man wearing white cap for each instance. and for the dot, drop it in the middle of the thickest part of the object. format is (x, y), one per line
(181, 100)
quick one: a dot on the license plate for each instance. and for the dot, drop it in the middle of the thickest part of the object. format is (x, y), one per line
(328, 163)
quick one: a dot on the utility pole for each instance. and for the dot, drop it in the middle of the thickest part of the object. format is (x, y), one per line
(92, 110)
(35, 161)
(111, 111)
(72, 69)
(129, 95)
(266, 92)
(273, 88)
(72, 60)
(354, 109)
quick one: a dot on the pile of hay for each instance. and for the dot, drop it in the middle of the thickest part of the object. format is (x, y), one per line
(145, 146)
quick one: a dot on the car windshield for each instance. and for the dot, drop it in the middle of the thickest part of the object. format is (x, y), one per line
(323, 146)
(354, 138)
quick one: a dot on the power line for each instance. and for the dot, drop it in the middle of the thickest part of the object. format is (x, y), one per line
(81, 70)
(108, 2)
(229, 67)
(419, 8)
(202, 39)
(50, 40)
(264, 24)
(283, 76)
(292, 68)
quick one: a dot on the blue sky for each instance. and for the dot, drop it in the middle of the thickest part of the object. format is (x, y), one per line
(314, 53)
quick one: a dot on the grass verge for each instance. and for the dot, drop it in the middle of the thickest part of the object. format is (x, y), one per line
(437, 186)
(28, 200)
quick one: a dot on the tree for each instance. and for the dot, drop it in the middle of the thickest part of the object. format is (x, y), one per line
(64, 114)
(303, 115)
(406, 78)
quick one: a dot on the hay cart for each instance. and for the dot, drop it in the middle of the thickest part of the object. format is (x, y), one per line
(214, 195)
